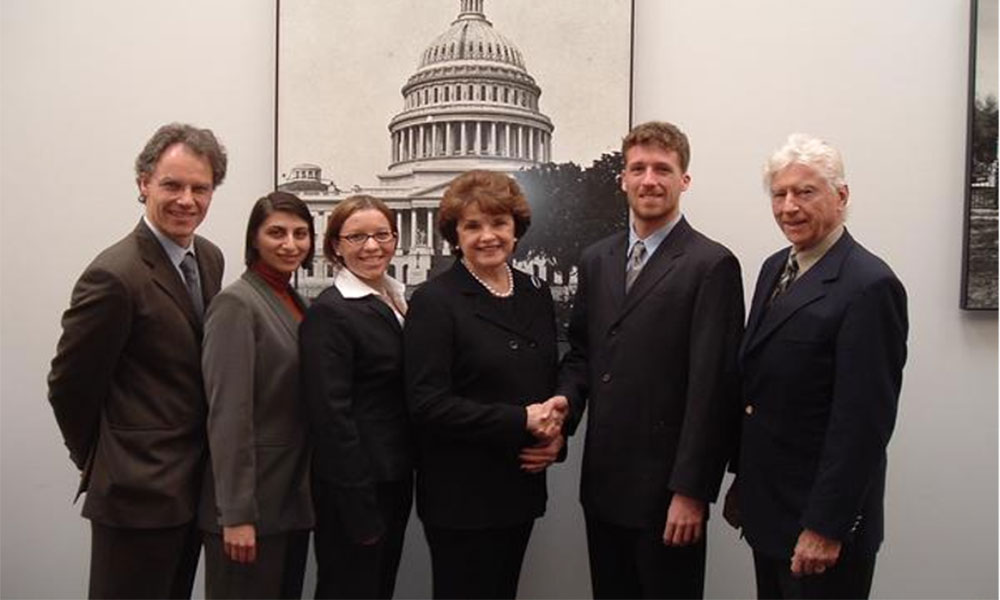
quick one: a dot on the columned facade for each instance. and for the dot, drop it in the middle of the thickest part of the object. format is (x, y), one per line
(471, 104)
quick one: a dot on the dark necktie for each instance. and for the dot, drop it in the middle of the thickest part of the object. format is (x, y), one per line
(635, 264)
(787, 276)
(189, 267)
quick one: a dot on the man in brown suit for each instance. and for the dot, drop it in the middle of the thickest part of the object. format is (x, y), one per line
(126, 383)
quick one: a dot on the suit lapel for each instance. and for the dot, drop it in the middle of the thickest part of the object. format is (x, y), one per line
(809, 288)
(382, 310)
(165, 274)
(766, 281)
(657, 267)
(368, 303)
(486, 308)
(613, 267)
(275, 303)
(209, 269)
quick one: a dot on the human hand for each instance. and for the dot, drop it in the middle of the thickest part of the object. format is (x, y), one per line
(814, 553)
(685, 521)
(545, 419)
(537, 458)
(239, 542)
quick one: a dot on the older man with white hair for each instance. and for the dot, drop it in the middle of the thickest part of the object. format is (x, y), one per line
(822, 363)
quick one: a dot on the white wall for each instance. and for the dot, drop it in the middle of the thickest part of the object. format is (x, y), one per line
(85, 83)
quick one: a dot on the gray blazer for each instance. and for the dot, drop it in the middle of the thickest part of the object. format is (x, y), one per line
(126, 383)
(257, 433)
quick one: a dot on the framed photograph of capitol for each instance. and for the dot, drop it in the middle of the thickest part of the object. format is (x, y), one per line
(395, 98)
(979, 248)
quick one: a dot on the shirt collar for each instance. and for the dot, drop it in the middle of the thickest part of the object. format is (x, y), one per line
(351, 286)
(653, 240)
(172, 248)
(810, 256)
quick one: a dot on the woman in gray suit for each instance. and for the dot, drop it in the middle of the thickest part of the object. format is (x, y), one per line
(256, 509)
(352, 364)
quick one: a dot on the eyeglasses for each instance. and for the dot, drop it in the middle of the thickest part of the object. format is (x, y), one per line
(358, 239)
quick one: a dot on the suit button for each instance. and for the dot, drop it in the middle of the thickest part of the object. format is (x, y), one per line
(513, 344)
(748, 409)
(606, 377)
(532, 344)
(614, 332)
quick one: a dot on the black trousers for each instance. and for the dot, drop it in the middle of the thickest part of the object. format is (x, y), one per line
(477, 563)
(277, 572)
(143, 563)
(345, 569)
(850, 577)
(634, 563)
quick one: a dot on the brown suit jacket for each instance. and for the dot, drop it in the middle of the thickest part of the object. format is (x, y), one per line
(126, 383)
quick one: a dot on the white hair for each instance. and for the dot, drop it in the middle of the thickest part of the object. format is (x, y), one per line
(810, 151)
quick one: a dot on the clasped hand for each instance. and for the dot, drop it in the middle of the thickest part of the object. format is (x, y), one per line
(545, 421)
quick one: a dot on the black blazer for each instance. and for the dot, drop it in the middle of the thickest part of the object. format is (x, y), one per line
(352, 385)
(658, 369)
(473, 362)
(126, 383)
(822, 371)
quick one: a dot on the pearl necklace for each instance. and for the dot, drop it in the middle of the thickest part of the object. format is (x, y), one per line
(490, 288)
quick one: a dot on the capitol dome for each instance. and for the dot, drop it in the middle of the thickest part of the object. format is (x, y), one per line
(471, 36)
(471, 101)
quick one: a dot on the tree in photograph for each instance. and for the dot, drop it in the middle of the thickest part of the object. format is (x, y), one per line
(571, 208)
(984, 136)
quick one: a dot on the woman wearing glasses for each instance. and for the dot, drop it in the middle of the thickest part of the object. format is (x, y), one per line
(352, 369)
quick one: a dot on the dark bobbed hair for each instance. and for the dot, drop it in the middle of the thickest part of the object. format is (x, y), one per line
(662, 134)
(494, 193)
(342, 212)
(264, 208)
(202, 142)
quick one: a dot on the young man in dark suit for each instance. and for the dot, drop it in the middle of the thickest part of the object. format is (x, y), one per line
(656, 324)
(126, 383)
(822, 365)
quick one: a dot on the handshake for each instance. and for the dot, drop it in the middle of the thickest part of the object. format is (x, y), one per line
(545, 421)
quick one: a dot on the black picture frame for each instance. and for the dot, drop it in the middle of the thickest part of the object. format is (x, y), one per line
(979, 244)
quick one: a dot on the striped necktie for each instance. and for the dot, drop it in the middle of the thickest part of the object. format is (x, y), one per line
(635, 264)
(189, 267)
(787, 276)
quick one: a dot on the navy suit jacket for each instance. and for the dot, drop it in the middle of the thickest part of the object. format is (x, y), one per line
(657, 368)
(822, 368)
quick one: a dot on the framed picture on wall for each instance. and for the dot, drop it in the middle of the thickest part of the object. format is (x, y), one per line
(979, 255)
(395, 98)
